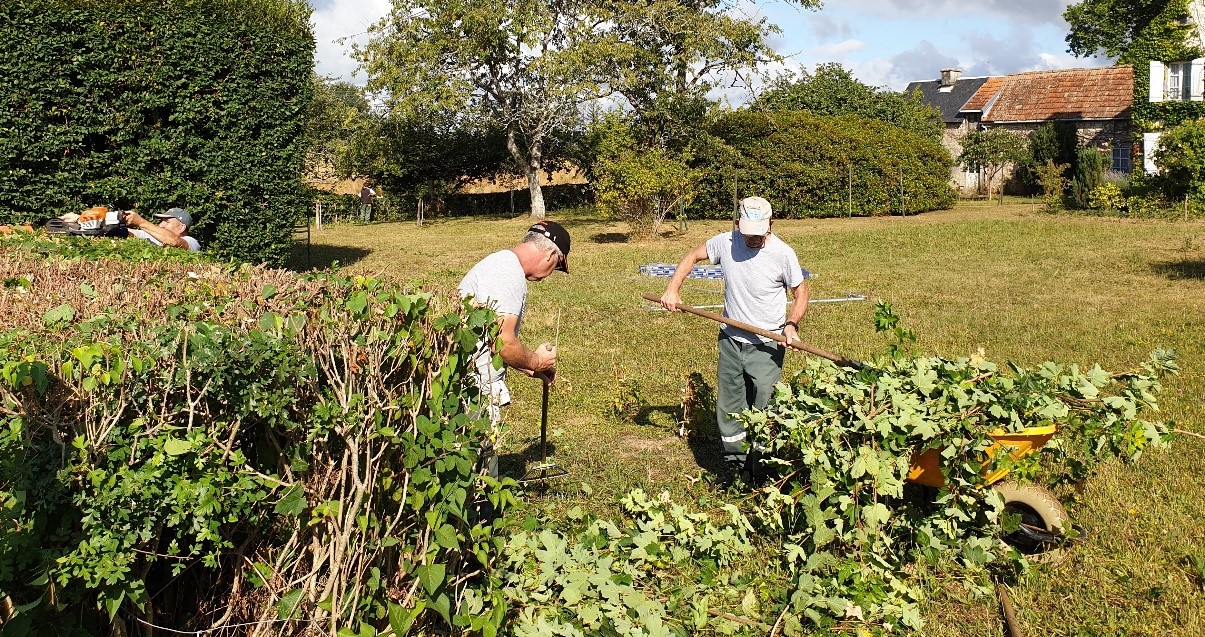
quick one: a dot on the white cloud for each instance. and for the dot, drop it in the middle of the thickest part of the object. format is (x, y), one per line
(836, 52)
(343, 19)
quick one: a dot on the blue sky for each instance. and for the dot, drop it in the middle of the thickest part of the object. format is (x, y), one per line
(885, 43)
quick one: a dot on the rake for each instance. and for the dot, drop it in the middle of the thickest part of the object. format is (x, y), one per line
(545, 470)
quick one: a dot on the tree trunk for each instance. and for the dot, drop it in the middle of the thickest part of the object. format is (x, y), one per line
(532, 162)
(537, 195)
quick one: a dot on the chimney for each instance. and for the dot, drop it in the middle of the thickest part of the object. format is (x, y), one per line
(950, 76)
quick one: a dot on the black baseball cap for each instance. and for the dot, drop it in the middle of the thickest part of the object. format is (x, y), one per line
(559, 237)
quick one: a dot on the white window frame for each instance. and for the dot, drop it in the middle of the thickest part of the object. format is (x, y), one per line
(1178, 81)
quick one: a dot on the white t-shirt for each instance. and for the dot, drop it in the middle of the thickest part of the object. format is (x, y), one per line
(756, 281)
(193, 244)
(497, 281)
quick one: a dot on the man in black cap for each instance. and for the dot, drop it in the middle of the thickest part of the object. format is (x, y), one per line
(500, 281)
(172, 229)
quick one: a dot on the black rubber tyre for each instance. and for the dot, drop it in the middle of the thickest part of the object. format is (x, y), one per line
(1037, 508)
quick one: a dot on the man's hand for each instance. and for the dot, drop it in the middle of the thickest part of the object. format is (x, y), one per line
(792, 335)
(545, 367)
(670, 300)
(545, 357)
(133, 219)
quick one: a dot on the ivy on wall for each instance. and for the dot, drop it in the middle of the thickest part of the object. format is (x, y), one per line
(151, 104)
(1165, 39)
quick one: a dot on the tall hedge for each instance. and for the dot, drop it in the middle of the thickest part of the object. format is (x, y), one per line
(809, 165)
(158, 103)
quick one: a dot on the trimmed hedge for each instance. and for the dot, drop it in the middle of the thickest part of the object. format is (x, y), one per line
(150, 104)
(809, 165)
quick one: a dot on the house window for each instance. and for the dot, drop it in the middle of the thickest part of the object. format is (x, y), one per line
(1178, 81)
(1122, 162)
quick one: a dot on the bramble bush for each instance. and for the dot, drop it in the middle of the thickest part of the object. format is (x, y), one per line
(195, 446)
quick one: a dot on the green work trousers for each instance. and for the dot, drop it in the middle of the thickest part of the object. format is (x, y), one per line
(746, 378)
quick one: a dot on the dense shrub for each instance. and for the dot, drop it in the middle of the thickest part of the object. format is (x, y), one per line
(199, 446)
(152, 104)
(833, 90)
(812, 166)
(1089, 174)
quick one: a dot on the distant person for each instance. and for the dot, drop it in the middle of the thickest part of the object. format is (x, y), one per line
(367, 194)
(171, 231)
(500, 281)
(758, 270)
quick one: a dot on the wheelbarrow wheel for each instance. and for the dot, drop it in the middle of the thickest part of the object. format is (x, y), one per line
(1043, 518)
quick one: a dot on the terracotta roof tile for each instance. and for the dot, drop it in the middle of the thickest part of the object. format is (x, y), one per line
(984, 94)
(1101, 93)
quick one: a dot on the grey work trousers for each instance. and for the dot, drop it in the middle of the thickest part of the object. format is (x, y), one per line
(746, 378)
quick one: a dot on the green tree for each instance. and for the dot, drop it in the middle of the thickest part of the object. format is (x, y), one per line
(527, 64)
(833, 90)
(992, 151)
(426, 154)
(668, 54)
(1090, 167)
(533, 64)
(337, 113)
(1052, 143)
(1111, 26)
(1181, 160)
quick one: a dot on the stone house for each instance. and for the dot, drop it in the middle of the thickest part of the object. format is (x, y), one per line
(1096, 102)
(950, 95)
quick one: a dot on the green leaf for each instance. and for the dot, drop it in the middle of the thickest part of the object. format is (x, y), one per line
(289, 604)
(61, 314)
(177, 447)
(445, 536)
(401, 619)
(432, 576)
(293, 502)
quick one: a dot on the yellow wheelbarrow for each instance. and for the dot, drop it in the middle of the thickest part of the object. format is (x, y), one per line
(1043, 518)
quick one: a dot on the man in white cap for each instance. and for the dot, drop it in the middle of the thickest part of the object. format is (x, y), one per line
(758, 270)
(172, 229)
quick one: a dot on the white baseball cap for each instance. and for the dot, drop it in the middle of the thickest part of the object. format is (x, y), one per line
(755, 217)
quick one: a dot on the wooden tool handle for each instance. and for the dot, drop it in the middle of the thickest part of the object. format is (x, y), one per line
(774, 336)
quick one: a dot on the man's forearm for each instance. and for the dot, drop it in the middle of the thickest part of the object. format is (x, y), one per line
(799, 307)
(162, 235)
(516, 355)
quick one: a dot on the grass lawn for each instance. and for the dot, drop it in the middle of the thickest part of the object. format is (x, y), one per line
(1022, 286)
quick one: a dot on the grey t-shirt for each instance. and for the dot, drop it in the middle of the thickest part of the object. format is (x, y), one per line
(755, 282)
(497, 281)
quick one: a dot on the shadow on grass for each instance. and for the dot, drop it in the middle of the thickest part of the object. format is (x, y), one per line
(1189, 269)
(514, 465)
(702, 439)
(319, 256)
(610, 237)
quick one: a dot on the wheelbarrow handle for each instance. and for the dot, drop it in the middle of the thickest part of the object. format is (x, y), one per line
(774, 336)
